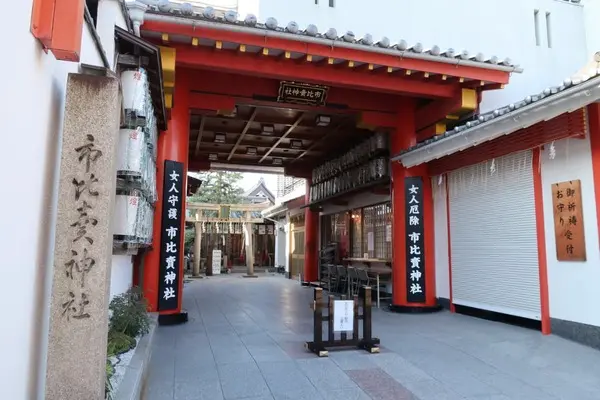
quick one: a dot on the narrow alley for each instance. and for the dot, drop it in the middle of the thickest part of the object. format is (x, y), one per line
(245, 340)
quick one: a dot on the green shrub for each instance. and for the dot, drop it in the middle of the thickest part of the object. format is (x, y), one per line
(110, 370)
(129, 313)
(119, 343)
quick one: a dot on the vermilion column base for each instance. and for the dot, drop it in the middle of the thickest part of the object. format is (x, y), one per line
(415, 309)
(173, 319)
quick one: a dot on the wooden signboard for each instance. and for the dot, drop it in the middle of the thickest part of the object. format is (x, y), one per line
(568, 221)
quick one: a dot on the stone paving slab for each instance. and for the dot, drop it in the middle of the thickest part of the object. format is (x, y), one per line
(245, 340)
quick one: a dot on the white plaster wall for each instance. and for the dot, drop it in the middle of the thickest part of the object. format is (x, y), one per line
(592, 16)
(246, 7)
(440, 211)
(110, 14)
(287, 244)
(504, 28)
(573, 286)
(32, 115)
(280, 253)
(121, 275)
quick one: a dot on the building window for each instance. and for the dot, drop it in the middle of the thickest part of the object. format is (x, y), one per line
(548, 30)
(371, 232)
(536, 20)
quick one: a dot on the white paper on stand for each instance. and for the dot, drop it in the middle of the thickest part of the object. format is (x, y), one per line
(216, 262)
(370, 241)
(343, 315)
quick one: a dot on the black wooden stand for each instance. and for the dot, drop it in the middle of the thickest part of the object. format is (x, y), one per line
(320, 347)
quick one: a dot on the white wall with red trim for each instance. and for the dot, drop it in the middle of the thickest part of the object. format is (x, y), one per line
(32, 115)
(442, 261)
(574, 287)
(121, 275)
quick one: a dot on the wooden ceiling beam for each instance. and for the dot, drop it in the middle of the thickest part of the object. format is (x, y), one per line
(243, 133)
(200, 132)
(245, 156)
(285, 135)
(318, 142)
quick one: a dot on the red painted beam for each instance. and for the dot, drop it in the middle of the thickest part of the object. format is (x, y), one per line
(248, 64)
(198, 165)
(298, 171)
(379, 120)
(357, 55)
(241, 86)
(436, 111)
(211, 102)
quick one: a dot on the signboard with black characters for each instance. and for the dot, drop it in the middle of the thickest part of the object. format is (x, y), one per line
(302, 93)
(568, 221)
(415, 240)
(170, 240)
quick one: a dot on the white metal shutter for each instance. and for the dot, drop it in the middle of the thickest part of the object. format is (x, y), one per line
(493, 237)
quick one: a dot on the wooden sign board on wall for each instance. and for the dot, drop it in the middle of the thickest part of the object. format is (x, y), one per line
(568, 221)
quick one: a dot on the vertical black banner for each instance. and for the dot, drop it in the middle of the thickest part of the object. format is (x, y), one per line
(415, 240)
(170, 238)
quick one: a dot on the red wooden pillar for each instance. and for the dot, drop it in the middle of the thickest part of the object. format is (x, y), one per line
(403, 138)
(311, 240)
(173, 144)
(594, 121)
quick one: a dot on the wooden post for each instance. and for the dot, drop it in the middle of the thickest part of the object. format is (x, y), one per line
(331, 336)
(316, 346)
(319, 347)
(368, 342)
(355, 311)
(209, 261)
(343, 335)
(367, 304)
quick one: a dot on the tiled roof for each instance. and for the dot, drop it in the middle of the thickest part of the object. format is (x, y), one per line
(590, 72)
(416, 50)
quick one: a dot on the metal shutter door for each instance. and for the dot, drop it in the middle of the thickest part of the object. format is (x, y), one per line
(493, 237)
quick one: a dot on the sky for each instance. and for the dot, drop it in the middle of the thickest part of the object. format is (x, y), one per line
(250, 179)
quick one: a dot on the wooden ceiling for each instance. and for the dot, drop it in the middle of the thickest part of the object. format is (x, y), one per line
(244, 133)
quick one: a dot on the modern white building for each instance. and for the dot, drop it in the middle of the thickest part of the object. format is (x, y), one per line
(549, 39)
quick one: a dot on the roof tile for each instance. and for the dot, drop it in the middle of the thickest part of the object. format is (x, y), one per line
(188, 10)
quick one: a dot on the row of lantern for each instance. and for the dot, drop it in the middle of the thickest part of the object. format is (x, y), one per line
(133, 217)
(372, 171)
(136, 162)
(358, 155)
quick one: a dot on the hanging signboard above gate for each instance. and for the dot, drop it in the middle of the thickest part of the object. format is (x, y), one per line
(415, 240)
(568, 221)
(302, 93)
(170, 240)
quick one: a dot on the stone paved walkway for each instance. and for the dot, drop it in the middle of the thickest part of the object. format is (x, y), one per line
(245, 341)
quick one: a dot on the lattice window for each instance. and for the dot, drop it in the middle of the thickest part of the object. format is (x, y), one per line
(383, 247)
(356, 250)
(368, 239)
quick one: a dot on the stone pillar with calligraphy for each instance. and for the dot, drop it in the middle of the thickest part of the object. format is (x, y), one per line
(83, 248)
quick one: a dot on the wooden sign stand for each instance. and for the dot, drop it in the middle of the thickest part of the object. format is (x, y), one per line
(320, 347)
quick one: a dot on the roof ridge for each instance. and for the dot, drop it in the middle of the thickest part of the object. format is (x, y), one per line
(230, 17)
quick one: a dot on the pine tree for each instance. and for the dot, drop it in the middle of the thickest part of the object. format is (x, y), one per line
(219, 187)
